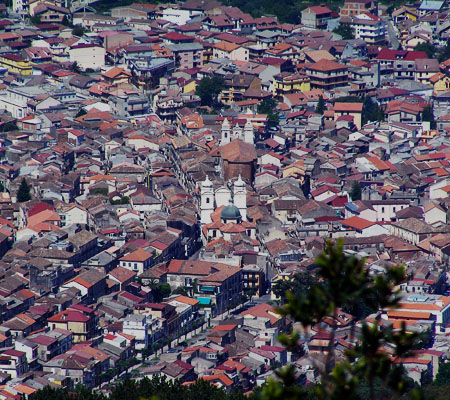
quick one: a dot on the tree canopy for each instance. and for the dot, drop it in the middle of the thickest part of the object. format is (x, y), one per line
(24, 193)
(345, 31)
(267, 106)
(209, 89)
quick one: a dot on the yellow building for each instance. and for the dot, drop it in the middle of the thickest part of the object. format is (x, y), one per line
(16, 64)
(190, 87)
(289, 83)
(440, 82)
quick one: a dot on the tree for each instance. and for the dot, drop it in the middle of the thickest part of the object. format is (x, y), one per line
(24, 192)
(344, 279)
(299, 284)
(9, 126)
(78, 31)
(320, 108)
(267, 106)
(160, 291)
(355, 191)
(443, 375)
(371, 111)
(444, 54)
(75, 67)
(345, 31)
(35, 20)
(81, 112)
(428, 115)
(2, 187)
(183, 290)
(427, 47)
(209, 89)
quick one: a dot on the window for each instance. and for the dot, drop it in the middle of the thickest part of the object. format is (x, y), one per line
(382, 209)
(207, 200)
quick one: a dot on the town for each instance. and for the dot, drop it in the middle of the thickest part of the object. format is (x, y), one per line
(169, 171)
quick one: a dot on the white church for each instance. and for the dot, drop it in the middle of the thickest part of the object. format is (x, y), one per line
(246, 134)
(223, 211)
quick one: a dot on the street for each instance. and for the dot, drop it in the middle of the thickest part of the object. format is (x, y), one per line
(392, 35)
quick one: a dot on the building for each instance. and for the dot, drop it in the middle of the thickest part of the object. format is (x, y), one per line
(228, 133)
(327, 75)
(16, 64)
(355, 7)
(352, 109)
(88, 56)
(316, 17)
(187, 55)
(136, 325)
(288, 83)
(238, 159)
(221, 283)
(211, 199)
(138, 261)
(370, 28)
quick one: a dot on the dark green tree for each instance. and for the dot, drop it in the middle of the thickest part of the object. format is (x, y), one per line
(428, 115)
(345, 31)
(9, 126)
(183, 290)
(320, 108)
(427, 47)
(160, 291)
(78, 31)
(355, 191)
(344, 279)
(209, 89)
(268, 106)
(372, 112)
(75, 67)
(35, 20)
(443, 375)
(2, 187)
(444, 54)
(24, 192)
(299, 284)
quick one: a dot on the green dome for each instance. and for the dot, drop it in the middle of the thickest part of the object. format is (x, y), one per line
(230, 212)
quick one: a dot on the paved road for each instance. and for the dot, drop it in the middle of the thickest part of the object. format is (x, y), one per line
(392, 35)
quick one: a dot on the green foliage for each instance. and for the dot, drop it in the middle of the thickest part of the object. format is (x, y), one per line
(9, 126)
(320, 108)
(355, 191)
(428, 115)
(35, 20)
(183, 290)
(348, 99)
(78, 31)
(81, 112)
(443, 375)
(156, 388)
(67, 22)
(102, 191)
(372, 112)
(75, 67)
(209, 89)
(428, 48)
(2, 187)
(298, 285)
(267, 106)
(444, 54)
(24, 192)
(345, 31)
(366, 368)
(160, 291)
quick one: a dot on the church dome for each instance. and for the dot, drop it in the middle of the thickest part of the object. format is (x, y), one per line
(230, 212)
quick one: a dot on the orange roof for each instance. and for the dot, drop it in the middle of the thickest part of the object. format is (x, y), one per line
(223, 378)
(348, 107)
(187, 300)
(225, 46)
(357, 223)
(139, 255)
(43, 216)
(326, 65)
(408, 314)
(25, 389)
(115, 72)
